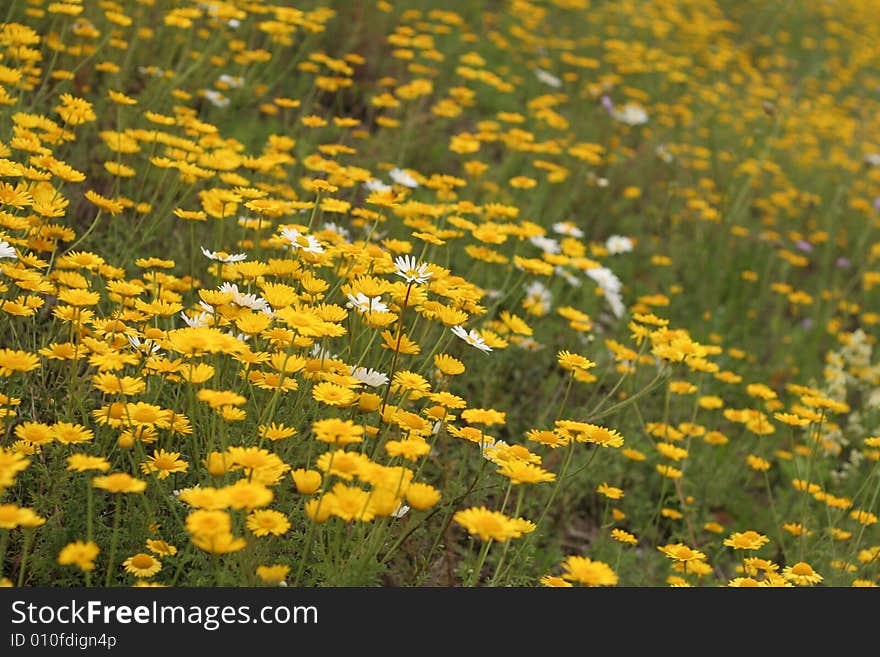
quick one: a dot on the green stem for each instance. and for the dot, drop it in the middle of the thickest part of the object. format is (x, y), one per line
(519, 500)
(90, 521)
(775, 516)
(117, 513)
(4, 544)
(28, 538)
(475, 577)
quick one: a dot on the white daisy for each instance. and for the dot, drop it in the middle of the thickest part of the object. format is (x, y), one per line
(322, 354)
(568, 228)
(539, 295)
(489, 447)
(339, 230)
(401, 177)
(548, 78)
(546, 244)
(376, 185)
(246, 300)
(366, 304)
(308, 243)
(223, 257)
(411, 270)
(147, 345)
(630, 114)
(196, 321)
(611, 286)
(471, 337)
(618, 244)
(369, 377)
(7, 251)
(216, 98)
(233, 82)
(570, 278)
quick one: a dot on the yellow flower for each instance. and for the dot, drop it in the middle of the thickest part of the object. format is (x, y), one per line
(801, 574)
(422, 496)
(142, 565)
(588, 572)
(119, 482)
(610, 492)
(84, 462)
(487, 524)
(681, 552)
(273, 575)
(267, 521)
(624, 536)
(161, 548)
(750, 540)
(307, 481)
(164, 463)
(79, 553)
(12, 361)
(337, 432)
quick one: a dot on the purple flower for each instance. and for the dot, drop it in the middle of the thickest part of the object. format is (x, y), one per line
(843, 263)
(803, 245)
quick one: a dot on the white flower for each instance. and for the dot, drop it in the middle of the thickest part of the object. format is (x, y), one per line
(252, 301)
(308, 243)
(596, 180)
(568, 228)
(400, 511)
(605, 278)
(339, 230)
(472, 338)
(630, 114)
(401, 177)
(369, 377)
(548, 78)
(616, 302)
(367, 304)
(618, 244)
(546, 244)
(221, 257)
(873, 159)
(148, 346)
(664, 154)
(375, 185)
(7, 251)
(489, 447)
(412, 271)
(230, 81)
(538, 294)
(196, 321)
(234, 23)
(611, 286)
(216, 98)
(322, 354)
(570, 278)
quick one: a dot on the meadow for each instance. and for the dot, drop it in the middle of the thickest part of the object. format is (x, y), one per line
(550, 293)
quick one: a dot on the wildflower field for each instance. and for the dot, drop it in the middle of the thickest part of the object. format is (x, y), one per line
(549, 293)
